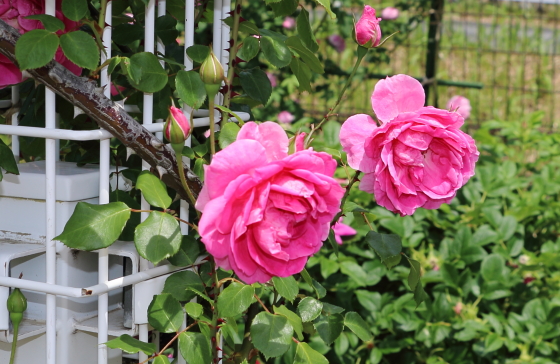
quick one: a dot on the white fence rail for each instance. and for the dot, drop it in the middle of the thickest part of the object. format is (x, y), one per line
(75, 298)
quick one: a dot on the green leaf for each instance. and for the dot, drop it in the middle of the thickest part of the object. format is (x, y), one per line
(75, 9)
(187, 254)
(125, 34)
(296, 45)
(294, 319)
(306, 355)
(309, 309)
(331, 130)
(415, 283)
(305, 31)
(387, 246)
(145, 72)
(356, 323)
(179, 284)
(235, 299)
(284, 7)
(249, 49)
(190, 88)
(158, 237)
(36, 48)
(329, 327)
(249, 27)
(80, 48)
(130, 345)
(161, 359)
(165, 313)
(198, 168)
(94, 227)
(198, 53)
(228, 134)
(166, 29)
(276, 51)
(256, 84)
(271, 334)
(51, 23)
(153, 189)
(194, 309)
(287, 287)
(7, 159)
(327, 5)
(493, 342)
(492, 268)
(302, 73)
(113, 64)
(332, 241)
(195, 348)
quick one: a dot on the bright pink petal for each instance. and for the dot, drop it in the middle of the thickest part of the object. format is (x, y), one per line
(395, 95)
(271, 135)
(353, 134)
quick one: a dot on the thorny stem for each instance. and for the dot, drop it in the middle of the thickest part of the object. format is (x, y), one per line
(362, 51)
(102, 12)
(262, 304)
(170, 342)
(232, 57)
(179, 158)
(211, 115)
(215, 314)
(345, 196)
(220, 283)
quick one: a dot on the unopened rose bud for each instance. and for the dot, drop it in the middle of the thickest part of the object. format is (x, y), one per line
(177, 128)
(212, 74)
(368, 32)
(458, 308)
(17, 304)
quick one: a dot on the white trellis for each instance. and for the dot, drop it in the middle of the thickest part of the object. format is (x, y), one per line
(80, 300)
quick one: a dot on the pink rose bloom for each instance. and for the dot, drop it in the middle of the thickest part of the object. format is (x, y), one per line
(460, 104)
(418, 157)
(337, 42)
(390, 13)
(272, 78)
(340, 229)
(289, 22)
(266, 212)
(13, 12)
(368, 32)
(286, 117)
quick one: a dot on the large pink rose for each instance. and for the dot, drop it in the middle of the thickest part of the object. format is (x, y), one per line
(418, 157)
(14, 12)
(264, 211)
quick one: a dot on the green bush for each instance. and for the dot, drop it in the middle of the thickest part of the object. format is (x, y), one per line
(489, 261)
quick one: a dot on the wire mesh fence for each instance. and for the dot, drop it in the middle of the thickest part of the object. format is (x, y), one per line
(507, 53)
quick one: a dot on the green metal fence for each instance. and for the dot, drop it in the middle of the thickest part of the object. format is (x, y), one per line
(504, 56)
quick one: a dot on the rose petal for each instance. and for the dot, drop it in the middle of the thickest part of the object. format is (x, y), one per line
(395, 95)
(271, 135)
(353, 134)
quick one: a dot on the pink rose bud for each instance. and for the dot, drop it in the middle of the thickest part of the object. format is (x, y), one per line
(390, 13)
(458, 308)
(289, 22)
(460, 104)
(177, 128)
(368, 32)
(340, 229)
(285, 117)
(272, 78)
(337, 42)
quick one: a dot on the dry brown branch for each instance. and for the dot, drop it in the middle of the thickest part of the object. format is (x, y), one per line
(85, 94)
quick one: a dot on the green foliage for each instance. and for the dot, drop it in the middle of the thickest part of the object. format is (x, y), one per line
(190, 88)
(75, 9)
(146, 73)
(93, 227)
(80, 48)
(165, 313)
(256, 84)
(51, 23)
(153, 189)
(271, 334)
(158, 237)
(36, 48)
(195, 348)
(7, 160)
(130, 345)
(235, 299)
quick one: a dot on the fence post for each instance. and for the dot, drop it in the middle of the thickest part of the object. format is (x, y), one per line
(434, 35)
